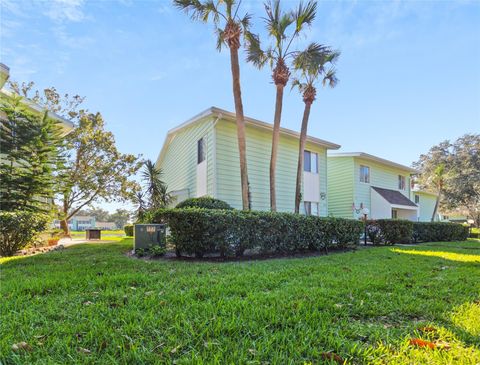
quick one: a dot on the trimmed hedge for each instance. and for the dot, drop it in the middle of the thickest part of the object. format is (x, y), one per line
(204, 202)
(128, 230)
(439, 231)
(198, 232)
(390, 231)
(19, 228)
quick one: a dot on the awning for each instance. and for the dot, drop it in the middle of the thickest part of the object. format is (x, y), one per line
(395, 198)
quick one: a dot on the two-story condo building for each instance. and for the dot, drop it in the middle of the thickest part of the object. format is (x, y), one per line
(358, 180)
(200, 157)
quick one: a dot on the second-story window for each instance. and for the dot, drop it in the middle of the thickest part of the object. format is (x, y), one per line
(310, 162)
(401, 182)
(200, 150)
(364, 174)
(417, 199)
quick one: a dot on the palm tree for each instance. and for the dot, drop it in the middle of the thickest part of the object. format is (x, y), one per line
(155, 190)
(229, 28)
(438, 179)
(311, 69)
(278, 25)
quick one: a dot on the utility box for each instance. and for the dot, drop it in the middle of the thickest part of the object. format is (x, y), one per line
(93, 234)
(146, 235)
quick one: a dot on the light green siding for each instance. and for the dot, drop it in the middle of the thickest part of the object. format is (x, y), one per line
(345, 188)
(258, 161)
(426, 205)
(179, 162)
(380, 175)
(340, 186)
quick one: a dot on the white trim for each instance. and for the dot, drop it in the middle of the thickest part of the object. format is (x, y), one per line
(369, 157)
(226, 115)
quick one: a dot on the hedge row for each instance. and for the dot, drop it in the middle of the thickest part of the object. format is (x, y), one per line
(390, 231)
(197, 231)
(439, 231)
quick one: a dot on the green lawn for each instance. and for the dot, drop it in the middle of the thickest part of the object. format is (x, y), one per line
(92, 304)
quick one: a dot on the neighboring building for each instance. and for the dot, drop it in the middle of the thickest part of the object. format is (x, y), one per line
(106, 225)
(426, 204)
(78, 223)
(200, 157)
(4, 75)
(358, 180)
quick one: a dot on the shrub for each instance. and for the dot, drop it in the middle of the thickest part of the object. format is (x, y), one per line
(128, 230)
(19, 228)
(395, 230)
(374, 233)
(197, 231)
(204, 202)
(157, 250)
(439, 231)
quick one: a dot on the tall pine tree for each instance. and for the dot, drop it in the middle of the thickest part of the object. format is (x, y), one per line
(29, 152)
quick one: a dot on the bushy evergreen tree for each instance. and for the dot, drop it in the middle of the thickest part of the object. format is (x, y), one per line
(29, 147)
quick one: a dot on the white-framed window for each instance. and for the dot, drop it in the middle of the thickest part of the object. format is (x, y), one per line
(310, 162)
(310, 208)
(417, 199)
(401, 182)
(200, 150)
(364, 174)
(394, 214)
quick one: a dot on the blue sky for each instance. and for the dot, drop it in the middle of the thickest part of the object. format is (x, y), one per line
(409, 71)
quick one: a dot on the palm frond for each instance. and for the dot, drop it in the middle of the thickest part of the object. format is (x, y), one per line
(245, 22)
(255, 54)
(199, 10)
(304, 15)
(330, 78)
(220, 38)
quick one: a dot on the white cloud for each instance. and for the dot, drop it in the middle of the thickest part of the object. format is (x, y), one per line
(69, 10)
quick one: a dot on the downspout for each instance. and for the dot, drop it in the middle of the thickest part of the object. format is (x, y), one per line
(214, 155)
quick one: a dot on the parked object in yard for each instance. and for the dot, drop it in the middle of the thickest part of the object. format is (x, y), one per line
(93, 234)
(148, 235)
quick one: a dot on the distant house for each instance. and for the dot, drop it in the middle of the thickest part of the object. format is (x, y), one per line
(78, 223)
(200, 157)
(358, 180)
(106, 225)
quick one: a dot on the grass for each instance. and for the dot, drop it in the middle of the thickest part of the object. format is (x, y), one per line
(92, 304)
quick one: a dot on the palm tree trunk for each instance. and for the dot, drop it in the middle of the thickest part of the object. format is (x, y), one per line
(242, 149)
(303, 137)
(275, 140)
(437, 203)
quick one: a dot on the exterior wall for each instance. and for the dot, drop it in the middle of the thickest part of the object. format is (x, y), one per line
(340, 186)
(258, 160)
(381, 176)
(179, 164)
(426, 206)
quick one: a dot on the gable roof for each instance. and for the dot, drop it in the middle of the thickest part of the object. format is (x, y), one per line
(367, 156)
(226, 115)
(394, 197)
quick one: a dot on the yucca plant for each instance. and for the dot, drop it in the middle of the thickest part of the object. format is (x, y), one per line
(230, 28)
(283, 28)
(313, 65)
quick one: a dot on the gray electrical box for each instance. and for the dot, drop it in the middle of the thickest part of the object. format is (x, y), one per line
(146, 235)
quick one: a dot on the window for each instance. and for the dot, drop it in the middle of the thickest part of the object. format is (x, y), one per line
(417, 199)
(310, 162)
(200, 150)
(394, 214)
(401, 182)
(311, 208)
(364, 174)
